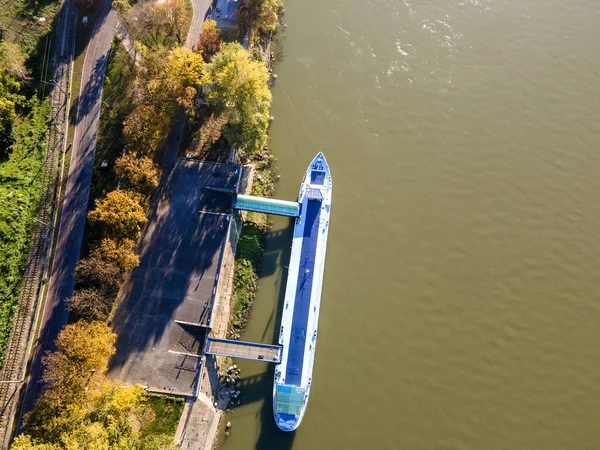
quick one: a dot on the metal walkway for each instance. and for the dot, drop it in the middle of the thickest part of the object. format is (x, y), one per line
(244, 350)
(267, 205)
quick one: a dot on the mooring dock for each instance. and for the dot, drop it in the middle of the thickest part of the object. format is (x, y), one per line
(244, 350)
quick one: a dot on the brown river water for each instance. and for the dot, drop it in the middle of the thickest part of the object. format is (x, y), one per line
(461, 300)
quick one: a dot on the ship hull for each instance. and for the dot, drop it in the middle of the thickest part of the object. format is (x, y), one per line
(300, 316)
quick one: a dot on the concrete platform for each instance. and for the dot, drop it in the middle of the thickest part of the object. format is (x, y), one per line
(180, 254)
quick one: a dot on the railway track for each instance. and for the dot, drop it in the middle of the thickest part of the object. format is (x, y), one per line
(12, 373)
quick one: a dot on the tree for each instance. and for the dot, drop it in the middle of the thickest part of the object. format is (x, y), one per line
(9, 99)
(119, 252)
(79, 362)
(24, 442)
(259, 16)
(238, 87)
(107, 417)
(96, 273)
(90, 304)
(7, 121)
(210, 40)
(120, 214)
(182, 77)
(268, 17)
(121, 6)
(146, 129)
(138, 173)
(176, 19)
(156, 24)
(13, 59)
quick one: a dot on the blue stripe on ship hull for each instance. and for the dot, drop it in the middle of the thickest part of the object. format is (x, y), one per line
(293, 374)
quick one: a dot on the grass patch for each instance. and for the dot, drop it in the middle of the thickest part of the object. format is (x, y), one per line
(20, 23)
(117, 103)
(250, 248)
(162, 418)
(20, 185)
(249, 255)
(264, 180)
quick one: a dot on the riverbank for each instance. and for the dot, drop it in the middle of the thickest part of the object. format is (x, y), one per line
(244, 274)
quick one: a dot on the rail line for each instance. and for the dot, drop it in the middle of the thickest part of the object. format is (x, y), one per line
(13, 371)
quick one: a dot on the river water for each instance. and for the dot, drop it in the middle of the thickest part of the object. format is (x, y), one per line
(461, 301)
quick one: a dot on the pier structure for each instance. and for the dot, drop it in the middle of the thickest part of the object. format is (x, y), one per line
(267, 205)
(260, 204)
(244, 350)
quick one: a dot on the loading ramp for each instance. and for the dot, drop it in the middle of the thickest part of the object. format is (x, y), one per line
(267, 205)
(244, 350)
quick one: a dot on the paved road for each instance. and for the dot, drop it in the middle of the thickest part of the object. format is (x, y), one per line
(70, 233)
(201, 8)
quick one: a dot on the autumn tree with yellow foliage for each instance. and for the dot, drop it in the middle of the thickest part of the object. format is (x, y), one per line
(145, 129)
(120, 214)
(80, 408)
(80, 360)
(121, 252)
(138, 173)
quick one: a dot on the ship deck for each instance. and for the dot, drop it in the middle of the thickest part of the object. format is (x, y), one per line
(302, 304)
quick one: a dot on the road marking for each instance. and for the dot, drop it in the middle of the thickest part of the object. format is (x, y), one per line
(214, 213)
(185, 354)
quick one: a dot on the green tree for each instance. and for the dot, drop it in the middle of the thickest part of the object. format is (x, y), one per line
(140, 174)
(238, 86)
(209, 133)
(121, 6)
(24, 442)
(260, 16)
(156, 25)
(13, 59)
(120, 214)
(9, 99)
(106, 418)
(268, 17)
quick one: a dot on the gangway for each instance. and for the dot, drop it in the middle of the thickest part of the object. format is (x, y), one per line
(244, 350)
(267, 205)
